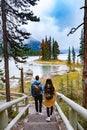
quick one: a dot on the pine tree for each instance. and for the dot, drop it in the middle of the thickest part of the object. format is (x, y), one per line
(46, 49)
(14, 14)
(81, 50)
(73, 54)
(50, 48)
(56, 50)
(42, 49)
(69, 56)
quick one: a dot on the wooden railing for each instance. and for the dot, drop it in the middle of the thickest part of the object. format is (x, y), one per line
(71, 124)
(74, 111)
(23, 100)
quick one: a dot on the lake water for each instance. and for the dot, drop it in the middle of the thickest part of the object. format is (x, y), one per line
(41, 70)
(44, 71)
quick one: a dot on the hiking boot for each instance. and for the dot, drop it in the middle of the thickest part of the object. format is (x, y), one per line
(48, 119)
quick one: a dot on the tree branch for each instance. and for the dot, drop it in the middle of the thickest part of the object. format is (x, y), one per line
(74, 29)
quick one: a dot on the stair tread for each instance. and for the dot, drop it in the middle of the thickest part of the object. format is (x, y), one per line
(39, 118)
(40, 123)
(41, 126)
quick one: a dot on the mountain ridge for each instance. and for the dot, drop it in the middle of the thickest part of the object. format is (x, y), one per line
(33, 44)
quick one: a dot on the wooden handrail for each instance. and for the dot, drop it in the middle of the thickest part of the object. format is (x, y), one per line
(13, 122)
(65, 120)
(79, 109)
(74, 110)
(4, 113)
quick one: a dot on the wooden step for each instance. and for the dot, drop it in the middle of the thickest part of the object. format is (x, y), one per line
(41, 126)
(38, 122)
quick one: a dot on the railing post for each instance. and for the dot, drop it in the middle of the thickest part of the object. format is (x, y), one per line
(73, 118)
(3, 119)
(26, 103)
(17, 108)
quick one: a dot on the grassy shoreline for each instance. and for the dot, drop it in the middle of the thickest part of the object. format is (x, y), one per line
(55, 62)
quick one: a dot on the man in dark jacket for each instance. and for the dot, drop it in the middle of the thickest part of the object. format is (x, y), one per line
(39, 96)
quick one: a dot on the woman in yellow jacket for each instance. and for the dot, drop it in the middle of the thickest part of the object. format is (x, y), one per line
(49, 98)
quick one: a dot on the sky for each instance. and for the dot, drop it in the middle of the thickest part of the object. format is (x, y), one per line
(57, 17)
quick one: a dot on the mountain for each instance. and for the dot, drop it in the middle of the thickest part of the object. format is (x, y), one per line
(33, 44)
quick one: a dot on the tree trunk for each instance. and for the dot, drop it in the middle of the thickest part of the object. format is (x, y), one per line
(5, 45)
(85, 59)
(22, 81)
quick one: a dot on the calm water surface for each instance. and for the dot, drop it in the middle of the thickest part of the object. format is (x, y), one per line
(41, 70)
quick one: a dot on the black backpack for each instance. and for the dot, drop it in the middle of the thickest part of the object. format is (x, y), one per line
(49, 94)
(37, 89)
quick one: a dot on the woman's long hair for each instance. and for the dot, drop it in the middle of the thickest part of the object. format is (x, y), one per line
(49, 81)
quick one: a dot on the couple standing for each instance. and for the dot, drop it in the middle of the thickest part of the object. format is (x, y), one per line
(40, 91)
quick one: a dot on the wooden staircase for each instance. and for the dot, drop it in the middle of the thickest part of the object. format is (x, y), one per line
(38, 122)
(33, 121)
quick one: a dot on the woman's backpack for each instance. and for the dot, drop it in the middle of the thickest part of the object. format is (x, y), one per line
(49, 94)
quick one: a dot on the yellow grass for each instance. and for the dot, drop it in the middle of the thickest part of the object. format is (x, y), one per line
(55, 62)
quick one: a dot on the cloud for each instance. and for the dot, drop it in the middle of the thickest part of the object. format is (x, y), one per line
(57, 17)
(43, 7)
